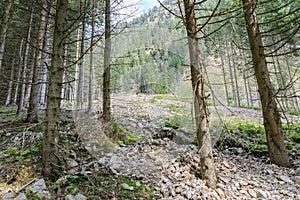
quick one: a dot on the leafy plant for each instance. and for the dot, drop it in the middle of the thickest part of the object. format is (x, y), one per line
(12, 151)
(295, 136)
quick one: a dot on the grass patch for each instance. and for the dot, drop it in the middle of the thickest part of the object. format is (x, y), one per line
(121, 136)
(104, 184)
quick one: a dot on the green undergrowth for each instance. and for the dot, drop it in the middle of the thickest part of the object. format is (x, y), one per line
(104, 184)
(8, 114)
(250, 135)
(15, 154)
(121, 136)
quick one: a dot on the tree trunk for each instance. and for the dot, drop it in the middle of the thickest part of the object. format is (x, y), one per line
(10, 84)
(3, 28)
(200, 100)
(32, 114)
(80, 92)
(43, 73)
(245, 76)
(92, 69)
(25, 64)
(231, 74)
(76, 66)
(50, 151)
(19, 72)
(235, 76)
(224, 78)
(106, 73)
(290, 77)
(29, 79)
(271, 117)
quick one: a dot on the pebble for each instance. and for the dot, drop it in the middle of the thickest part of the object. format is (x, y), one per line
(286, 179)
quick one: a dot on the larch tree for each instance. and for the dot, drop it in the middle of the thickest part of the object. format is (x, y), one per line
(50, 160)
(271, 115)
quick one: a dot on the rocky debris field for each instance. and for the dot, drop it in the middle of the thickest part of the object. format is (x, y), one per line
(156, 160)
(174, 169)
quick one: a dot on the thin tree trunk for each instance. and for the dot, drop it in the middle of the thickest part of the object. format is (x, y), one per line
(32, 114)
(50, 152)
(43, 72)
(295, 101)
(224, 79)
(80, 94)
(235, 77)
(200, 99)
(245, 77)
(3, 28)
(271, 117)
(76, 66)
(92, 69)
(107, 55)
(29, 80)
(10, 84)
(64, 87)
(19, 72)
(283, 85)
(25, 64)
(231, 75)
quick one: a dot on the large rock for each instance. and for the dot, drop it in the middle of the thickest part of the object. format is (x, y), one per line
(38, 186)
(8, 196)
(77, 197)
(21, 196)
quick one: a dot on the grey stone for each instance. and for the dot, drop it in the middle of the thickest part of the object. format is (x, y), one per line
(8, 196)
(38, 186)
(127, 187)
(72, 163)
(261, 194)
(44, 194)
(21, 196)
(297, 179)
(286, 179)
(80, 197)
(69, 197)
(298, 171)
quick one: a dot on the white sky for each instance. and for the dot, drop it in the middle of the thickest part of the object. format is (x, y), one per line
(140, 6)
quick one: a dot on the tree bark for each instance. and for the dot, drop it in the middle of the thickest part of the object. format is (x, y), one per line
(32, 114)
(10, 84)
(50, 152)
(231, 75)
(3, 28)
(235, 76)
(245, 77)
(224, 79)
(200, 100)
(271, 117)
(43, 73)
(80, 92)
(92, 69)
(25, 64)
(19, 72)
(107, 55)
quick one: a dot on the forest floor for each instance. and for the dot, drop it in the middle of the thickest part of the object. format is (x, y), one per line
(149, 153)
